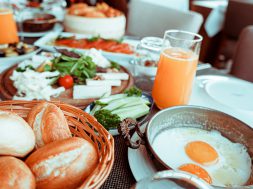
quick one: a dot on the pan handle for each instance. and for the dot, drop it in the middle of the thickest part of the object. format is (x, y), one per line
(124, 131)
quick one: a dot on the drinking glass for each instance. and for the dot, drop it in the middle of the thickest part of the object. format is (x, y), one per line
(176, 68)
(8, 28)
(145, 62)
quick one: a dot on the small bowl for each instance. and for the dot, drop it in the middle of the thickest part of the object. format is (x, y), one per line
(38, 22)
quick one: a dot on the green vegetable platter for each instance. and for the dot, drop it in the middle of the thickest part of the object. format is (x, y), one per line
(111, 110)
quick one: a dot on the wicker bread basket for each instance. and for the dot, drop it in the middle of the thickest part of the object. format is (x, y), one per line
(81, 125)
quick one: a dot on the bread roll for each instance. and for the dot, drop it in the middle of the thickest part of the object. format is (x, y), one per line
(48, 123)
(63, 164)
(14, 173)
(16, 136)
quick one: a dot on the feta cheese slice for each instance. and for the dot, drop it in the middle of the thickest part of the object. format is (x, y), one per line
(85, 91)
(114, 82)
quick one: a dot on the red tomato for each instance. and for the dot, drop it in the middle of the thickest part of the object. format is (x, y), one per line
(66, 81)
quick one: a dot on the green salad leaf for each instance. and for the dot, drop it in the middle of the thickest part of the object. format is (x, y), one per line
(133, 91)
(115, 65)
(80, 68)
(30, 67)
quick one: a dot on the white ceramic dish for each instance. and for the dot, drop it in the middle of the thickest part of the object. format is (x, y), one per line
(139, 161)
(57, 28)
(10, 61)
(44, 43)
(227, 94)
(105, 27)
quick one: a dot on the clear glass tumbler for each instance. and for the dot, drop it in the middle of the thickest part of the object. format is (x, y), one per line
(145, 63)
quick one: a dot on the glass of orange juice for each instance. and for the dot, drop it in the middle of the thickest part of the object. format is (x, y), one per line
(176, 68)
(8, 28)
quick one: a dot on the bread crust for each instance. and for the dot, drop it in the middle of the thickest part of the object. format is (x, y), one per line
(48, 123)
(14, 173)
(63, 164)
(16, 136)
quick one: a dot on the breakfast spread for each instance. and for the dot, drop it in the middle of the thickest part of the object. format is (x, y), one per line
(207, 154)
(61, 161)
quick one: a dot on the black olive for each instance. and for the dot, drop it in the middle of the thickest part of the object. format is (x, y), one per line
(12, 44)
(21, 50)
(2, 54)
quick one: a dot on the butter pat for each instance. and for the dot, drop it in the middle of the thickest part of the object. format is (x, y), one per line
(86, 92)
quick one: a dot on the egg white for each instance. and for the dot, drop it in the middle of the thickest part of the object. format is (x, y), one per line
(233, 167)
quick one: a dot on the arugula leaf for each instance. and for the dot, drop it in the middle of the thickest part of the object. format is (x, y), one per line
(30, 67)
(47, 68)
(95, 38)
(115, 65)
(80, 68)
(133, 91)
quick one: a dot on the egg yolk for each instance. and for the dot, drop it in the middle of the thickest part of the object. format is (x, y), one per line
(196, 170)
(201, 152)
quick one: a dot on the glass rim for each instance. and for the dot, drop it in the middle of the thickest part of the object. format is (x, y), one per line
(167, 32)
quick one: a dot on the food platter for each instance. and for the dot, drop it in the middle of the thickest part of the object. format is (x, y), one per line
(46, 42)
(7, 90)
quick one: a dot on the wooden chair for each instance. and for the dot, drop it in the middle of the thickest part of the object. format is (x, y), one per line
(242, 66)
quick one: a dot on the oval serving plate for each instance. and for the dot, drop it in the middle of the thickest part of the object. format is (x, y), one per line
(7, 62)
(140, 120)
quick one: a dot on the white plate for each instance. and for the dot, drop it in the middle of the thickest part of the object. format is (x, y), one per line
(227, 94)
(10, 61)
(44, 42)
(140, 162)
(231, 92)
(57, 28)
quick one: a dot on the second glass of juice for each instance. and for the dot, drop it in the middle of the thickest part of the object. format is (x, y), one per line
(176, 68)
(8, 28)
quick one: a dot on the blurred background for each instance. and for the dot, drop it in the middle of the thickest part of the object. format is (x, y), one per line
(226, 25)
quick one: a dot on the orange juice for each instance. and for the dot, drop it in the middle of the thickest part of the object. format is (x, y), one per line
(8, 28)
(174, 78)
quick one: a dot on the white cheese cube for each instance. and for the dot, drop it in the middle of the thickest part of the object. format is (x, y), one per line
(120, 76)
(85, 91)
(110, 82)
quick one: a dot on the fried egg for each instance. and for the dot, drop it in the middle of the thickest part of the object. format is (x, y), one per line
(207, 154)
